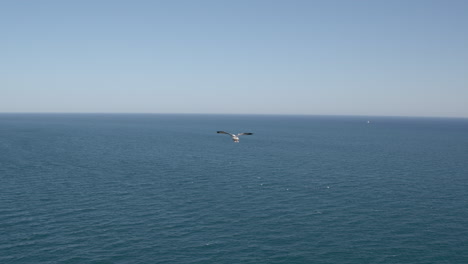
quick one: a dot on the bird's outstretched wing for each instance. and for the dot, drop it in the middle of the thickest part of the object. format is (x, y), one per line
(240, 134)
(223, 132)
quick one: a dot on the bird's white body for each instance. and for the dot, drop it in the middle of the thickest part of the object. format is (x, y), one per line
(235, 137)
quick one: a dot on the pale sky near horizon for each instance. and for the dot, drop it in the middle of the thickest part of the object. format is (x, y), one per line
(397, 58)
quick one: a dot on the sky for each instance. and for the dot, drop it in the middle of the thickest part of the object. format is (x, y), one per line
(375, 57)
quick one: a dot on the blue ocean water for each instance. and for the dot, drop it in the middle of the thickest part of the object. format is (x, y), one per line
(115, 188)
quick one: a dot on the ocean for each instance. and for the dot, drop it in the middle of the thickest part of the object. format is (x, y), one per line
(166, 188)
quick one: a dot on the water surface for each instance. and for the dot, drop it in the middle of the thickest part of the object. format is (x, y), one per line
(90, 188)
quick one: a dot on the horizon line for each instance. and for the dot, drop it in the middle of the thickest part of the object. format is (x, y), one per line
(232, 114)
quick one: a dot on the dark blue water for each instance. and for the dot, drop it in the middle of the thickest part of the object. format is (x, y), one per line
(168, 189)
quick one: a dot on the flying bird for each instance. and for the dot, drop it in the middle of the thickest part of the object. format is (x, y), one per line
(235, 137)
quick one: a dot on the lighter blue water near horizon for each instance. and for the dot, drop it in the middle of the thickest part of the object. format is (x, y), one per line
(131, 188)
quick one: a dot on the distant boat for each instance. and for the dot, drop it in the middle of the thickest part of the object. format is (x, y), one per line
(235, 137)
(368, 122)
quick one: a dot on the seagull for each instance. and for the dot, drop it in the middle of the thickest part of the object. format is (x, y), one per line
(234, 137)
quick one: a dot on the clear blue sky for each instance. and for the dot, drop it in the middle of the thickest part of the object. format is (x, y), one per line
(399, 58)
